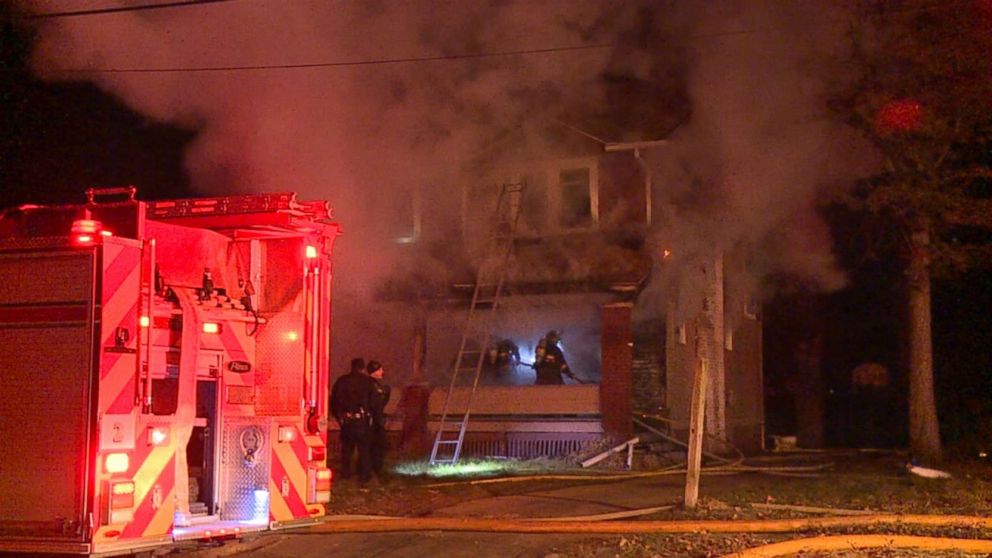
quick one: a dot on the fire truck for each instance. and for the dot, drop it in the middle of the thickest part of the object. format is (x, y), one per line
(163, 370)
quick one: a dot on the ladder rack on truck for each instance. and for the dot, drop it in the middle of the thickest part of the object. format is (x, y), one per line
(164, 370)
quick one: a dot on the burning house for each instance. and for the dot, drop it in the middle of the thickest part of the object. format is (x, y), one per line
(589, 258)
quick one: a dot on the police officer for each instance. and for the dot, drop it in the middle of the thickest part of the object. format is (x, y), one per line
(380, 396)
(550, 361)
(351, 406)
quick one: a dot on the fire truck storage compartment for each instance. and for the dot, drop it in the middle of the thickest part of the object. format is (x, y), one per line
(46, 362)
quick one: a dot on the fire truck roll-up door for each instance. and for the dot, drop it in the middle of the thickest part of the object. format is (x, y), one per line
(46, 362)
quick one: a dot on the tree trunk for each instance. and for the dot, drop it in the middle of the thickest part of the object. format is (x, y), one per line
(924, 434)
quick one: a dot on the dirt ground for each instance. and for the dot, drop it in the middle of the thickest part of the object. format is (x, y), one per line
(876, 481)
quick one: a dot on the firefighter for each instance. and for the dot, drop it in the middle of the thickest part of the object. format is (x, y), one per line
(380, 397)
(501, 361)
(351, 406)
(549, 361)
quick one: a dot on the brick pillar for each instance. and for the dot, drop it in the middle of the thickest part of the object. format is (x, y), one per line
(414, 439)
(615, 395)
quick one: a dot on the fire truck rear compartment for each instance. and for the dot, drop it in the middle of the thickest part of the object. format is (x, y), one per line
(45, 392)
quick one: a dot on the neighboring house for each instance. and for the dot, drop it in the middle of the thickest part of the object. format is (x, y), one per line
(585, 252)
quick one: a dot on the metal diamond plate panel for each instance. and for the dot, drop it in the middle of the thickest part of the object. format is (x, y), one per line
(246, 457)
(279, 372)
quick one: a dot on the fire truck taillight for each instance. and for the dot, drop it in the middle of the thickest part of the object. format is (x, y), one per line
(121, 502)
(116, 462)
(211, 327)
(287, 434)
(158, 436)
(319, 479)
(318, 453)
(311, 252)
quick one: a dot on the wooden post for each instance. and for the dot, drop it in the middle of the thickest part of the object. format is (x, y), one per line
(697, 415)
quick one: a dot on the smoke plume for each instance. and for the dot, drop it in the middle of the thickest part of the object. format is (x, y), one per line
(412, 111)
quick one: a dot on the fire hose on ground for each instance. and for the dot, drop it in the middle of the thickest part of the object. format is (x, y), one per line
(607, 524)
(863, 542)
(565, 525)
(600, 525)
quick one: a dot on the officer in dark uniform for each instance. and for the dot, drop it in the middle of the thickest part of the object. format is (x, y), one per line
(550, 361)
(380, 396)
(351, 406)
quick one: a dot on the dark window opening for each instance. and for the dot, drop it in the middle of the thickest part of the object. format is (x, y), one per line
(165, 396)
(576, 198)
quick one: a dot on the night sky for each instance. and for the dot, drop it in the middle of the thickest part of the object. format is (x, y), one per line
(58, 138)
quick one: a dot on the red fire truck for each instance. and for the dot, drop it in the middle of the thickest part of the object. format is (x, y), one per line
(163, 370)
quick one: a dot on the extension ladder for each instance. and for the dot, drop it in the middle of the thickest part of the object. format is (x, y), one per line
(478, 326)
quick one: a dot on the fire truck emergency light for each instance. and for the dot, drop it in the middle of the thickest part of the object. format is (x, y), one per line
(287, 434)
(311, 252)
(116, 462)
(211, 327)
(158, 435)
(144, 321)
(84, 231)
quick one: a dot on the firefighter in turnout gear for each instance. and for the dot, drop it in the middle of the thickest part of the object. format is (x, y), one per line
(352, 406)
(380, 397)
(549, 361)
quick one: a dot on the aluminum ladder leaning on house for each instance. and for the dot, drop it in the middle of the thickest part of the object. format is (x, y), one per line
(478, 326)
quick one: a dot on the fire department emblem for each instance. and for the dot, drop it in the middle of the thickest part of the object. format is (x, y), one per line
(251, 443)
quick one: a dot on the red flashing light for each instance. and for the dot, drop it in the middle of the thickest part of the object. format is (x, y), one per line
(84, 239)
(85, 226)
(900, 115)
(106, 233)
(319, 454)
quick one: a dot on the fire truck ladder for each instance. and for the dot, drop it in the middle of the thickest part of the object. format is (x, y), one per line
(478, 326)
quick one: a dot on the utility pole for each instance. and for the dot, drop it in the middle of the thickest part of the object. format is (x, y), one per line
(697, 416)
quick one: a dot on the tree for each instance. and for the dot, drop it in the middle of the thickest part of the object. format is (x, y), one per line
(922, 94)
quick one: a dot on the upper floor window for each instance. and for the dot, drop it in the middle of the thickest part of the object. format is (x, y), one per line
(574, 195)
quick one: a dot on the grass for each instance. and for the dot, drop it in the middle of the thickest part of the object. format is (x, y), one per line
(474, 468)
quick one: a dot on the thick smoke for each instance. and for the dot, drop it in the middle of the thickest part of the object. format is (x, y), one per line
(761, 148)
(370, 138)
